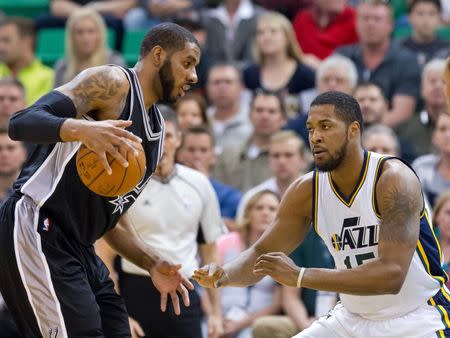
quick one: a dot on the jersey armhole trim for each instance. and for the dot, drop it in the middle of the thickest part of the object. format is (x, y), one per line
(315, 192)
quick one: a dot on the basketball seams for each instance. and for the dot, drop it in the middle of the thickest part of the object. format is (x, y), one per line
(123, 177)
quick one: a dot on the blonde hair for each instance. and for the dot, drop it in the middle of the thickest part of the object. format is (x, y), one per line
(99, 57)
(293, 49)
(244, 226)
(441, 200)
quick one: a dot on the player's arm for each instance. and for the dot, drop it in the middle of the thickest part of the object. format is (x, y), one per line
(285, 234)
(399, 199)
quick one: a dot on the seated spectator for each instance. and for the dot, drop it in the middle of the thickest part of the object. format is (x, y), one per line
(112, 11)
(434, 103)
(286, 7)
(12, 99)
(324, 27)
(17, 58)
(372, 102)
(228, 110)
(441, 221)
(197, 152)
(300, 306)
(425, 18)
(191, 111)
(86, 46)
(434, 169)
(242, 306)
(380, 60)
(279, 65)
(231, 26)
(247, 166)
(337, 73)
(288, 161)
(381, 139)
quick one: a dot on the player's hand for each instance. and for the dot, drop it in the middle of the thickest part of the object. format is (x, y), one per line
(215, 326)
(109, 136)
(168, 280)
(447, 80)
(210, 276)
(136, 329)
(278, 266)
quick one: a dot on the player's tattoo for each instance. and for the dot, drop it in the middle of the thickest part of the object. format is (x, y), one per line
(400, 207)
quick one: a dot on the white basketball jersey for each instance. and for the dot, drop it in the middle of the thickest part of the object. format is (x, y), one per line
(350, 226)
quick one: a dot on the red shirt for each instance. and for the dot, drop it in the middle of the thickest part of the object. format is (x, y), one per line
(323, 41)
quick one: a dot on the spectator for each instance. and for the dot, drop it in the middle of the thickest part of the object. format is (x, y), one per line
(337, 73)
(433, 95)
(380, 60)
(197, 152)
(12, 99)
(287, 161)
(372, 102)
(17, 58)
(300, 306)
(324, 27)
(230, 27)
(191, 111)
(185, 212)
(228, 111)
(112, 11)
(86, 46)
(441, 221)
(434, 169)
(242, 306)
(245, 167)
(286, 7)
(279, 65)
(425, 18)
(381, 139)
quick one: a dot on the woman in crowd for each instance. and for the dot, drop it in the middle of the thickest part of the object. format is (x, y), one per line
(191, 111)
(241, 306)
(441, 221)
(280, 65)
(86, 46)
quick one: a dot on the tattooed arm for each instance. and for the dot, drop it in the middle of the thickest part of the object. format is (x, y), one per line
(399, 199)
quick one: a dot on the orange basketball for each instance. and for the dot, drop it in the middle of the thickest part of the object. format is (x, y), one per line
(122, 180)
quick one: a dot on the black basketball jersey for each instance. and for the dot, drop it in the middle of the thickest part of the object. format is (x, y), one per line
(50, 176)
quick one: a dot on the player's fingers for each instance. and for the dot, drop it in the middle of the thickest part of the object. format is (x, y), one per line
(175, 302)
(114, 152)
(121, 123)
(184, 294)
(163, 301)
(187, 283)
(103, 159)
(122, 133)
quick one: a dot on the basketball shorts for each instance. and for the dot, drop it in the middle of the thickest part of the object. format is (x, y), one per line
(54, 286)
(427, 321)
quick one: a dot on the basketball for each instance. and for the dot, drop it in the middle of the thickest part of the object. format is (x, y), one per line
(121, 181)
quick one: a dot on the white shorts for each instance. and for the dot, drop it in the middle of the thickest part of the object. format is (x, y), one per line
(424, 322)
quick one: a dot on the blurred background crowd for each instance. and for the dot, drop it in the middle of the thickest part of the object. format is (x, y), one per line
(243, 123)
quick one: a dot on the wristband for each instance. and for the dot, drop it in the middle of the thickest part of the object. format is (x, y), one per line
(300, 277)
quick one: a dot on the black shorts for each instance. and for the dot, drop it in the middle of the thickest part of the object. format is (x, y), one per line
(54, 286)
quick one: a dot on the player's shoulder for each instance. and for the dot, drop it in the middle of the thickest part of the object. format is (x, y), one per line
(395, 171)
(302, 188)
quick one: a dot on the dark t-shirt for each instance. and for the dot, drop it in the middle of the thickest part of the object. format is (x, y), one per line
(398, 73)
(426, 51)
(312, 253)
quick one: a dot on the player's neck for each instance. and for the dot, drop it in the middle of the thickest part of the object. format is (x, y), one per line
(148, 90)
(347, 175)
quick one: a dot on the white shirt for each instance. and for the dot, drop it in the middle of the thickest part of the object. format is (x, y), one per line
(169, 215)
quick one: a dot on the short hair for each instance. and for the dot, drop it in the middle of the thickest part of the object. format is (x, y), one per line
(263, 92)
(25, 26)
(385, 3)
(11, 81)
(168, 114)
(286, 135)
(378, 129)
(368, 84)
(225, 65)
(197, 130)
(338, 61)
(434, 65)
(413, 3)
(169, 36)
(345, 106)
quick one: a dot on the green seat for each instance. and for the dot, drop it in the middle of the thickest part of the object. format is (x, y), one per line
(28, 8)
(131, 46)
(444, 33)
(399, 8)
(401, 32)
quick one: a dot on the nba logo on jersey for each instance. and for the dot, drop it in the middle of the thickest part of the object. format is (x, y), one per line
(46, 226)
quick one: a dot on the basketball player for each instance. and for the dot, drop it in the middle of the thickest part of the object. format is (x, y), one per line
(369, 210)
(52, 280)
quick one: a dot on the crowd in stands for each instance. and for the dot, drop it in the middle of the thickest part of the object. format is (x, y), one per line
(243, 125)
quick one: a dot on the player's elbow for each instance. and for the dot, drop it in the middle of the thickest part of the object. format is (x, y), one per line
(393, 280)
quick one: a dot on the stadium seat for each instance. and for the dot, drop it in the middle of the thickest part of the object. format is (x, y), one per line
(29, 8)
(399, 8)
(401, 32)
(444, 33)
(50, 44)
(131, 45)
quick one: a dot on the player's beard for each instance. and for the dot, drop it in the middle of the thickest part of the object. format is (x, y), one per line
(167, 81)
(335, 160)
